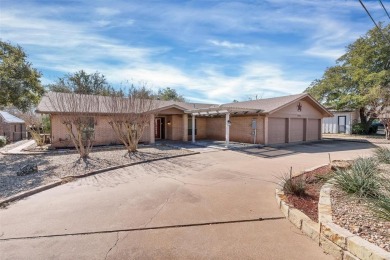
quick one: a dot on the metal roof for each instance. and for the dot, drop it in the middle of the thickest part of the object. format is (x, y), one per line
(8, 118)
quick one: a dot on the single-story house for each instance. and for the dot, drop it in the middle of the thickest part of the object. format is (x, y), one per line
(341, 122)
(12, 127)
(287, 119)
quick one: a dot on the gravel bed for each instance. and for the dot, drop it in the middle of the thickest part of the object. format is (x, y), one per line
(53, 166)
(354, 216)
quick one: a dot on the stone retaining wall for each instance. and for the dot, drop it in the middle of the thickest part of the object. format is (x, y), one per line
(333, 239)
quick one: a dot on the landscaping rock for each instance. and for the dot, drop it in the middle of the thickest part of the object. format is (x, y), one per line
(27, 169)
(340, 164)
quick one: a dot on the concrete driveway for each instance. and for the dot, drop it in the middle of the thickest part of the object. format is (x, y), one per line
(212, 205)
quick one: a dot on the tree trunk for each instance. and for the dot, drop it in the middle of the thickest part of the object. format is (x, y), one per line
(366, 123)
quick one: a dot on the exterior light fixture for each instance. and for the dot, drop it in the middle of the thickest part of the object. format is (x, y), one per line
(229, 123)
(169, 123)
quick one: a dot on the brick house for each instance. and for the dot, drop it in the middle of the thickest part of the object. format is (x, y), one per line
(287, 119)
(12, 127)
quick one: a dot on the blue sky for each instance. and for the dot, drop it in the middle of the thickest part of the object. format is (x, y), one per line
(209, 51)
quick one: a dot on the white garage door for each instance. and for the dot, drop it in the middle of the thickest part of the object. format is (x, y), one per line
(297, 129)
(276, 130)
(313, 129)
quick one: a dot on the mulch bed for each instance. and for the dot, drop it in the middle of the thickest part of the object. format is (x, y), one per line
(308, 204)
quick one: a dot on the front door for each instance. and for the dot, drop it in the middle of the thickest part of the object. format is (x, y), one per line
(157, 128)
(342, 124)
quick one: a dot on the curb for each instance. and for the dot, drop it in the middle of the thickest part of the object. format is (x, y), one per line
(333, 239)
(67, 179)
(355, 140)
(24, 194)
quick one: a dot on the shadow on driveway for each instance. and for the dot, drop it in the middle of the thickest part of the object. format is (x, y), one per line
(314, 147)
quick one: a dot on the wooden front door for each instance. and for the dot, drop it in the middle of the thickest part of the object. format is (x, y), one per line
(157, 128)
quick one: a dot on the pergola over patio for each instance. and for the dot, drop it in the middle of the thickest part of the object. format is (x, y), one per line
(217, 111)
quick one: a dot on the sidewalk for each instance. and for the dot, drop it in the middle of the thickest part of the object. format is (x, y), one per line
(375, 139)
(19, 148)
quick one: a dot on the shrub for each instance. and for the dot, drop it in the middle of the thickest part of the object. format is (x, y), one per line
(382, 154)
(3, 141)
(362, 179)
(381, 207)
(361, 129)
(294, 186)
(358, 128)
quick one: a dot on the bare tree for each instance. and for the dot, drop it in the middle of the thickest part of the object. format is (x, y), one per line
(77, 113)
(36, 125)
(129, 116)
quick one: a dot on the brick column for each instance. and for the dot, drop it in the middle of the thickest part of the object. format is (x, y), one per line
(151, 130)
(266, 130)
(193, 128)
(185, 127)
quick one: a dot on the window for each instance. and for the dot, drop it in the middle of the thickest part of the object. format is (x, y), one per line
(190, 126)
(88, 128)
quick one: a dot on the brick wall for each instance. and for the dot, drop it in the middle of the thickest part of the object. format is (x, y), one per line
(240, 129)
(104, 134)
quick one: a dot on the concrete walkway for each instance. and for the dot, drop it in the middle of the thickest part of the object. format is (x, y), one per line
(18, 149)
(217, 205)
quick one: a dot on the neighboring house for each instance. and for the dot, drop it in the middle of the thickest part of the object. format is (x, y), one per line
(288, 119)
(12, 127)
(341, 122)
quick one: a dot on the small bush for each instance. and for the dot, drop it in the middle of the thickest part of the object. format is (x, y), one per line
(3, 141)
(358, 128)
(381, 207)
(294, 186)
(362, 179)
(362, 129)
(382, 154)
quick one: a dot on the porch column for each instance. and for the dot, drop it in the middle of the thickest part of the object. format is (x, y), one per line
(151, 130)
(193, 128)
(185, 127)
(227, 129)
(266, 130)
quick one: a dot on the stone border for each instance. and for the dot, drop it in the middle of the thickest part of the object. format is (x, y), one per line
(333, 239)
(67, 179)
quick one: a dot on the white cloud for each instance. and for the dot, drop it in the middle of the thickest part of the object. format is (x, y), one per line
(227, 44)
(106, 11)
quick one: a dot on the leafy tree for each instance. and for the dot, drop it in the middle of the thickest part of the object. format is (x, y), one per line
(19, 81)
(169, 94)
(361, 77)
(83, 83)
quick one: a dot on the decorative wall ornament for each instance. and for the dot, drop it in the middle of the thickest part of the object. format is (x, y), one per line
(299, 107)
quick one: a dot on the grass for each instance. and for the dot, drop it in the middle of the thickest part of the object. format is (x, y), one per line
(361, 180)
(382, 154)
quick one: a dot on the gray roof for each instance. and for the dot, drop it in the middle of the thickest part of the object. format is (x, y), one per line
(8, 118)
(54, 102)
(264, 106)
(260, 106)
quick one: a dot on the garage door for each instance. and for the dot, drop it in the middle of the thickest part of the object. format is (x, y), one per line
(313, 129)
(297, 126)
(276, 130)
